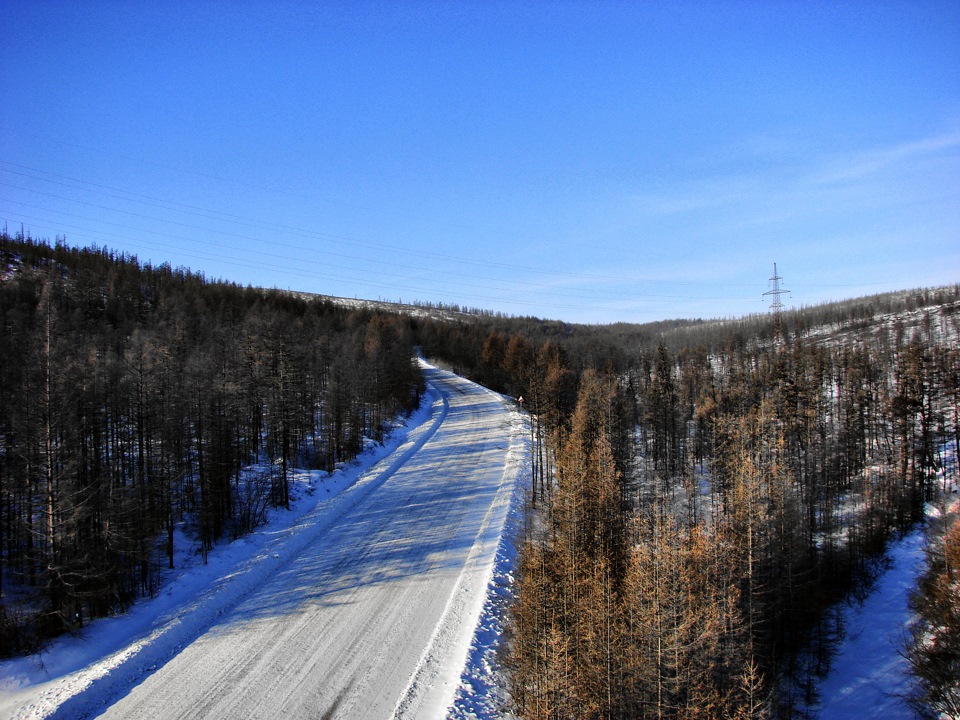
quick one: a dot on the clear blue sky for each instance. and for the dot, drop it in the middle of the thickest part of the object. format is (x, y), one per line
(593, 162)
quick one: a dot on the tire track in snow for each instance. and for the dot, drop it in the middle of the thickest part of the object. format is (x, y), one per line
(458, 622)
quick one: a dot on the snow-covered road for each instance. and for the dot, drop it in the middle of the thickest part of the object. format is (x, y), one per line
(364, 609)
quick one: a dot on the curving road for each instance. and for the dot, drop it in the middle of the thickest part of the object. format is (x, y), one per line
(362, 615)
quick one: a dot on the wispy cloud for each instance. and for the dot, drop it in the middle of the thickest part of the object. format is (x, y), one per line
(850, 167)
(787, 183)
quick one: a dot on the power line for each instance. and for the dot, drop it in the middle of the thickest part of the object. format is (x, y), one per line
(524, 287)
(315, 234)
(57, 226)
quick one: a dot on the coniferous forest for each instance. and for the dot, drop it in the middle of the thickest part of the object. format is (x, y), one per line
(705, 493)
(702, 493)
(687, 571)
(135, 398)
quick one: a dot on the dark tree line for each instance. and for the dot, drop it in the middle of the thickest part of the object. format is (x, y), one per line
(136, 398)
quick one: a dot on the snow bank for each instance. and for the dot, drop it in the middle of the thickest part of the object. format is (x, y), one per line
(482, 694)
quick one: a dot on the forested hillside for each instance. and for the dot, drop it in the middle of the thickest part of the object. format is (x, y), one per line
(690, 576)
(705, 491)
(138, 399)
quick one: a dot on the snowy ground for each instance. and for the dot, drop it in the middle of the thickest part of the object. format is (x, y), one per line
(360, 602)
(868, 677)
(482, 692)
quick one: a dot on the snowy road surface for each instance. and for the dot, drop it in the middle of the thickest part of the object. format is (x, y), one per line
(364, 609)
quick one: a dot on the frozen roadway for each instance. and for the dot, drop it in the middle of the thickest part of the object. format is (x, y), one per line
(363, 609)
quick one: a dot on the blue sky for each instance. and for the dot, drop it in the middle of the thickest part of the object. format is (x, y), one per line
(593, 162)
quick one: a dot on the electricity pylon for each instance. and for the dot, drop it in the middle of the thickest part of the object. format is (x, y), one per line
(776, 306)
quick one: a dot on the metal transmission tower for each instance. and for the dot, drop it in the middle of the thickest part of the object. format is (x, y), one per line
(776, 306)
